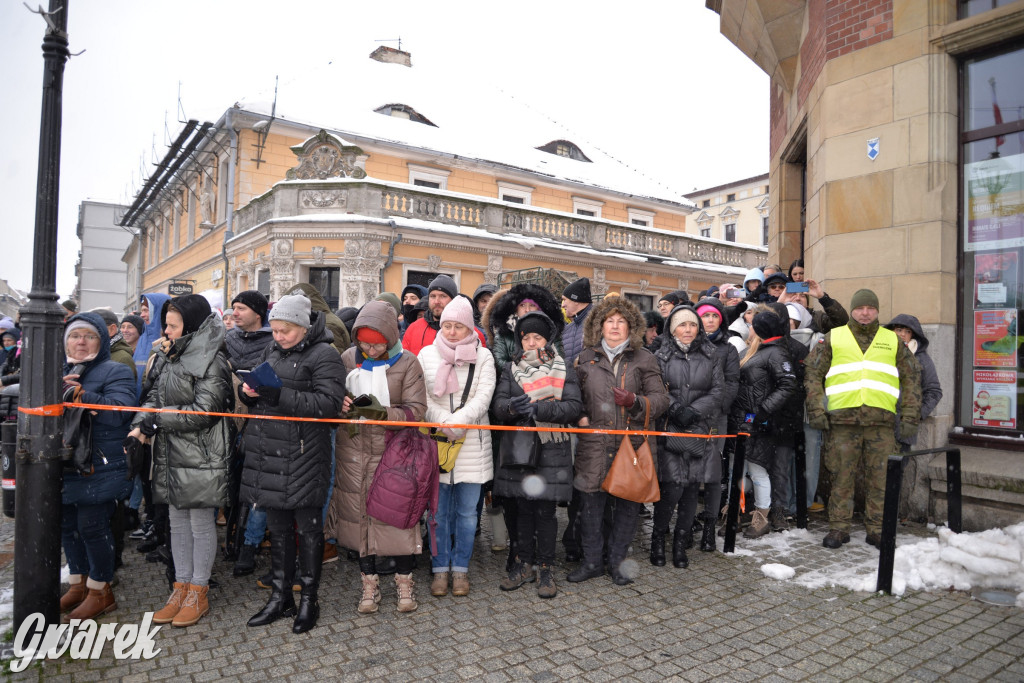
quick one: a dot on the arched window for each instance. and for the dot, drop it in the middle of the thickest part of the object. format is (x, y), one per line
(404, 111)
(564, 148)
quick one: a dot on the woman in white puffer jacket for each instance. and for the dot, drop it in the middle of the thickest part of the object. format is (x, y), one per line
(446, 369)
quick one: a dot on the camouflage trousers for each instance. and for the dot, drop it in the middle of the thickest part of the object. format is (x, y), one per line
(848, 448)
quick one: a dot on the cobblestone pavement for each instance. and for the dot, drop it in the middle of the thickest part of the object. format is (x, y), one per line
(720, 619)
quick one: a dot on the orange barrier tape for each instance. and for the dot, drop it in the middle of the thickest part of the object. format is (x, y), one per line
(398, 423)
(55, 410)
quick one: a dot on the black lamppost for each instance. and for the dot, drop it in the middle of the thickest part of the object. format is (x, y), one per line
(37, 521)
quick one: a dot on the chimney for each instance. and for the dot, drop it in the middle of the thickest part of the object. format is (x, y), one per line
(392, 56)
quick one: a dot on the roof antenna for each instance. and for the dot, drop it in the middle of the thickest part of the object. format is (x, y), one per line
(391, 40)
(262, 129)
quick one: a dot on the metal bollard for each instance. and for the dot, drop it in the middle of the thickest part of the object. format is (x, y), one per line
(9, 439)
(732, 516)
(800, 463)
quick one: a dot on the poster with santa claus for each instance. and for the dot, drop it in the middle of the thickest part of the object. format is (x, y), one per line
(995, 399)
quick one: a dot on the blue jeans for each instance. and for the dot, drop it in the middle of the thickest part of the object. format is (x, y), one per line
(87, 539)
(256, 526)
(762, 485)
(456, 514)
(136, 498)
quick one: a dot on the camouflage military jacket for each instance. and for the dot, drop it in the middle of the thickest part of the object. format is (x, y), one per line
(820, 360)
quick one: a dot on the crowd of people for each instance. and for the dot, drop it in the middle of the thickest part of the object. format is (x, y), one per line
(773, 359)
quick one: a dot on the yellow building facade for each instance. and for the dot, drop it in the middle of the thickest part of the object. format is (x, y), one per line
(260, 202)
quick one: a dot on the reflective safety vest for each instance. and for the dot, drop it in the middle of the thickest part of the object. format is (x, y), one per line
(863, 379)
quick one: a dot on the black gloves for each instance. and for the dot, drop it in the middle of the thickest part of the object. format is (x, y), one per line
(682, 416)
(520, 405)
(269, 395)
(134, 455)
(149, 424)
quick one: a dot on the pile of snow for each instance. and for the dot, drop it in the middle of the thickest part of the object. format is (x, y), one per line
(992, 559)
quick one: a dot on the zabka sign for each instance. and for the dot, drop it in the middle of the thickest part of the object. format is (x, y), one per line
(179, 288)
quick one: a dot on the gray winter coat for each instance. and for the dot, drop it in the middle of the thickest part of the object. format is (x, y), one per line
(931, 388)
(288, 464)
(191, 452)
(572, 336)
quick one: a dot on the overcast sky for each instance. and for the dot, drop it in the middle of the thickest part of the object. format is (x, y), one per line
(652, 82)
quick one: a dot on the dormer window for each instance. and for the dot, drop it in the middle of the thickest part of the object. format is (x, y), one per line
(404, 111)
(564, 148)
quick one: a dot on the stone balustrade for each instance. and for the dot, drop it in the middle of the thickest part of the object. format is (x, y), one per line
(379, 199)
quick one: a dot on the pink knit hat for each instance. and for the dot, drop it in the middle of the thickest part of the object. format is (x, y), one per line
(459, 310)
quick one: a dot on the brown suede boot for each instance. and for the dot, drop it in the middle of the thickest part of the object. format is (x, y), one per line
(406, 594)
(99, 600)
(173, 606)
(193, 607)
(369, 602)
(439, 585)
(75, 594)
(759, 525)
(460, 583)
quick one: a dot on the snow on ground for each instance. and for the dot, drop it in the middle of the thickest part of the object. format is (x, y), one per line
(991, 559)
(7, 601)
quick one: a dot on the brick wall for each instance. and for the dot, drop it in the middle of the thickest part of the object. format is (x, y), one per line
(853, 24)
(812, 51)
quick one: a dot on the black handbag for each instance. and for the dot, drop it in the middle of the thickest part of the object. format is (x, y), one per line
(520, 450)
(689, 447)
(76, 450)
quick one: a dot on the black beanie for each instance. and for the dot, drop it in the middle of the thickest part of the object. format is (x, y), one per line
(677, 297)
(578, 291)
(537, 322)
(136, 321)
(193, 308)
(768, 324)
(254, 300)
(445, 284)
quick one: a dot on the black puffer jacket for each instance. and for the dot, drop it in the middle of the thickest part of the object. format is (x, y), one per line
(767, 381)
(288, 464)
(790, 420)
(555, 465)
(727, 356)
(245, 349)
(694, 379)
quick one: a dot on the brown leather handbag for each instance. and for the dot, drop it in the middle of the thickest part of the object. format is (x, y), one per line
(632, 475)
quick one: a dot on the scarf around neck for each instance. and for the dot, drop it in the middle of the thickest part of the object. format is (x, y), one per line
(453, 355)
(370, 377)
(542, 377)
(613, 351)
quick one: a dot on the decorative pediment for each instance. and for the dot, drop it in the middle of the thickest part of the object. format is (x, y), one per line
(327, 156)
(704, 217)
(763, 206)
(729, 213)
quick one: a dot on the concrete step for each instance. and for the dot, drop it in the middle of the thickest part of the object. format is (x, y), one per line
(992, 487)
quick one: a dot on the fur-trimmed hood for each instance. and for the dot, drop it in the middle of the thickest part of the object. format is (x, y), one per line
(504, 302)
(603, 309)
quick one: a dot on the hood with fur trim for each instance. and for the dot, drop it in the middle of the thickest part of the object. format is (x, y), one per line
(504, 302)
(603, 309)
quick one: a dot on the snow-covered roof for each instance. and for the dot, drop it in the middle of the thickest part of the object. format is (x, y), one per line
(474, 120)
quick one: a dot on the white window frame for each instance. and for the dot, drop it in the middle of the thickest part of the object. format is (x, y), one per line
(587, 205)
(725, 232)
(640, 215)
(507, 189)
(429, 174)
(705, 229)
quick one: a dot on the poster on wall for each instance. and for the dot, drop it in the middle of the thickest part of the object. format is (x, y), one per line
(995, 338)
(994, 203)
(995, 280)
(995, 399)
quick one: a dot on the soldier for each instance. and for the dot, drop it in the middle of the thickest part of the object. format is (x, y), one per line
(863, 370)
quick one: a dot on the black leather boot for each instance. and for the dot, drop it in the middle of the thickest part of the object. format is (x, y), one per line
(281, 602)
(707, 539)
(658, 548)
(679, 541)
(311, 551)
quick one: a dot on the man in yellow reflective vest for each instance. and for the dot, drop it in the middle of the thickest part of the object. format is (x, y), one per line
(854, 378)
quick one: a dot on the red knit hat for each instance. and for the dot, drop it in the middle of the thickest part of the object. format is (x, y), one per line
(368, 335)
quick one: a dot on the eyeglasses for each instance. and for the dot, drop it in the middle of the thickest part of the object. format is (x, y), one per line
(366, 347)
(79, 337)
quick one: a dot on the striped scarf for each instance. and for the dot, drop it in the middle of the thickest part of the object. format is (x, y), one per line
(542, 376)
